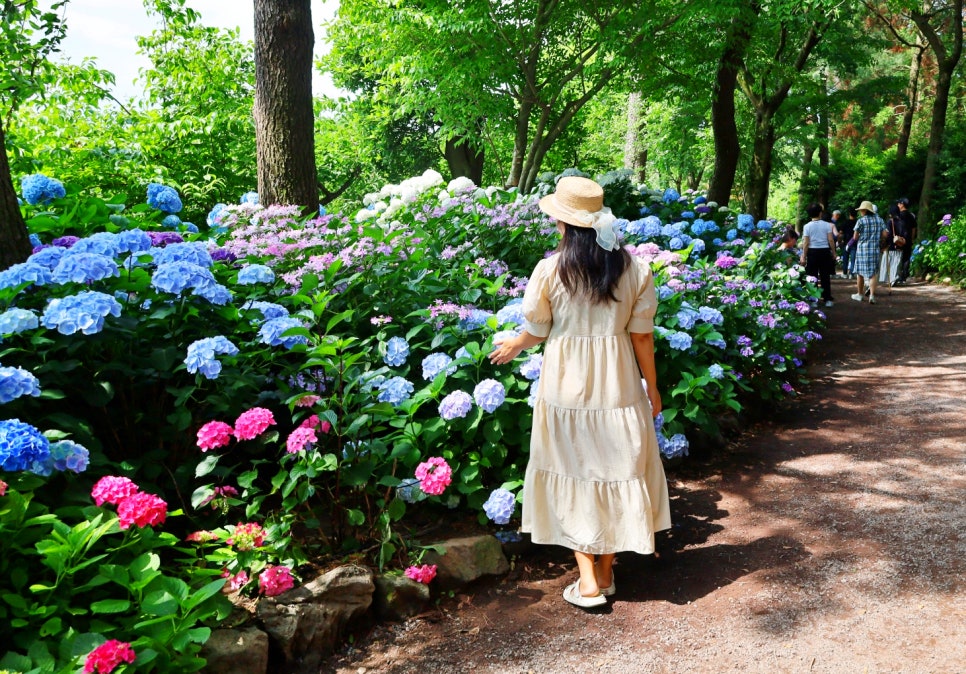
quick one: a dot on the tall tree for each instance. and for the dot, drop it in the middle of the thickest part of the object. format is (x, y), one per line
(284, 121)
(941, 24)
(29, 36)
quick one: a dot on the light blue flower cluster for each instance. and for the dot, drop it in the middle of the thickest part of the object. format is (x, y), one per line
(39, 189)
(455, 406)
(176, 277)
(686, 316)
(255, 273)
(21, 446)
(16, 382)
(394, 391)
(202, 355)
(101, 243)
(24, 272)
(64, 455)
(647, 228)
(710, 315)
(397, 351)
(163, 198)
(715, 371)
(194, 252)
(435, 363)
(273, 331)
(679, 340)
(35, 240)
(409, 491)
(215, 215)
(85, 312)
(84, 268)
(476, 319)
(269, 310)
(489, 394)
(133, 241)
(47, 257)
(249, 198)
(746, 222)
(670, 195)
(500, 505)
(17, 320)
(532, 366)
(673, 447)
(511, 313)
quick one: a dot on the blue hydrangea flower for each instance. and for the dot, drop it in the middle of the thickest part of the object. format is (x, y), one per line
(508, 536)
(489, 394)
(25, 272)
(700, 200)
(171, 221)
(35, 240)
(202, 355)
(746, 222)
(215, 293)
(456, 405)
(249, 198)
(651, 227)
(85, 312)
(511, 313)
(215, 215)
(715, 371)
(500, 505)
(670, 195)
(84, 268)
(664, 292)
(255, 273)
(194, 252)
(17, 320)
(718, 342)
(133, 241)
(16, 382)
(163, 198)
(711, 226)
(273, 330)
(21, 446)
(409, 491)
(175, 277)
(269, 310)
(675, 244)
(38, 188)
(462, 353)
(676, 445)
(764, 225)
(64, 455)
(102, 243)
(435, 363)
(476, 319)
(659, 422)
(687, 317)
(710, 315)
(190, 227)
(698, 246)
(48, 257)
(673, 229)
(394, 391)
(397, 350)
(679, 340)
(532, 366)
(732, 234)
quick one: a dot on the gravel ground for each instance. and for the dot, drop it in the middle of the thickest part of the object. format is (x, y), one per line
(828, 538)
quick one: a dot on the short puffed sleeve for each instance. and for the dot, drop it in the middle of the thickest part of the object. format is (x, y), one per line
(645, 306)
(536, 301)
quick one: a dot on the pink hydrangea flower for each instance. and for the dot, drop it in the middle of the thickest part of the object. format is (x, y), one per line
(275, 580)
(202, 536)
(214, 434)
(3, 488)
(253, 423)
(422, 574)
(307, 400)
(247, 536)
(112, 489)
(107, 656)
(434, 475)
(235, 582)
(141, 509)
(299, 439)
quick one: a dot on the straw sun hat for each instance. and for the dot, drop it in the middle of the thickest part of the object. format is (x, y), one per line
(867, 206)
(580, 202)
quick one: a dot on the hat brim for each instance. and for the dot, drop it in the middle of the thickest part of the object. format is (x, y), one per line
(550, 206)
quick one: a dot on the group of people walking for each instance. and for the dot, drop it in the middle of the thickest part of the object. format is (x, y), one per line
(870, 248)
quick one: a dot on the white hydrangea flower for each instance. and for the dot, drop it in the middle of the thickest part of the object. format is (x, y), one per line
(461, 183)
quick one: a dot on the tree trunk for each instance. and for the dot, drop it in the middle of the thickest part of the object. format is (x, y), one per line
(759, 179)
(912, 100)
(808, 154)
(464, 158)
(727, 148)
(520, 137)
(822, 193)
(14, 240)
(635, 157)
(284, 121)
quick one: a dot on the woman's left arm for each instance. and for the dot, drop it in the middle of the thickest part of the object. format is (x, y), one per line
(508, 349)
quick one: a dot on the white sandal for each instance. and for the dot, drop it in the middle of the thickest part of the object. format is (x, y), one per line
(572, 594)
(610, 590)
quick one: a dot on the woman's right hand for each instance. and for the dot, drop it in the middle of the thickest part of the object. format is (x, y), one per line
(654, 397)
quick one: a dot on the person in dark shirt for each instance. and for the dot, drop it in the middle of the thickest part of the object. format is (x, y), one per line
(907, 227)
(845, 225)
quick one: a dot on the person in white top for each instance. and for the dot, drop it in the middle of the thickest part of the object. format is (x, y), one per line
(818, 250)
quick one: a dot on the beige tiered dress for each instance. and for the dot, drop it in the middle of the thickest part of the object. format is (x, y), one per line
(594, 482)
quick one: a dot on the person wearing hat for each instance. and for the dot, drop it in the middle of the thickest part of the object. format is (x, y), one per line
(594, 481)
(869, 229)
(907, 228)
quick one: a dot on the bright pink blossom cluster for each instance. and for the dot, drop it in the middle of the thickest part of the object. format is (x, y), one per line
(3, 488)
(202, 536)
(235, 582)
(422, 574)
(305, 434)
(434, 475)
(307, 400)
(133, 505)
(214, 434)
(247, 536)
(252, 423)
(107, 656)
(275, 580)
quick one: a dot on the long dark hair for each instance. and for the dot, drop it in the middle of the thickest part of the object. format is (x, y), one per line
(587, 269)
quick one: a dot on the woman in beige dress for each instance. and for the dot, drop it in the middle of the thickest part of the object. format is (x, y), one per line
(594, 482)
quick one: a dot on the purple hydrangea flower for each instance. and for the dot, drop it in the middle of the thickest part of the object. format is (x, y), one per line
(489, 394)
(500, 505)
(394, 391)
(456, 405)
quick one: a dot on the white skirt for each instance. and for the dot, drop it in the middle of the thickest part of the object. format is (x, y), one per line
(889, 266)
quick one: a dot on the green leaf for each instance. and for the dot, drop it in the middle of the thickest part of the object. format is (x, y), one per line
(110, 606)
(207, 465)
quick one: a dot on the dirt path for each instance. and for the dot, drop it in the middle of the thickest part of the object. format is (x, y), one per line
(827, 540)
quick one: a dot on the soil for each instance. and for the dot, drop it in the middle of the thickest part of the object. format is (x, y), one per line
(826, 538)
